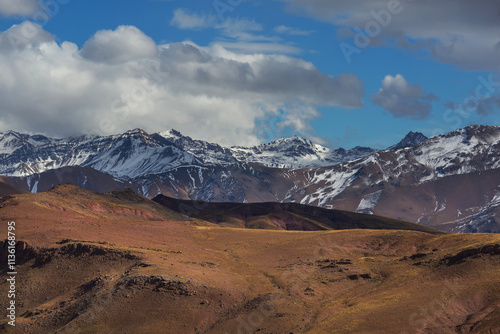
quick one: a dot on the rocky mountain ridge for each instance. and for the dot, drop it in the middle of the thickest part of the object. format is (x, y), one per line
(450, 180)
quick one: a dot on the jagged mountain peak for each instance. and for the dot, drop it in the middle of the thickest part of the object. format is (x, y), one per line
(175, 133)
(137, 131)
(10, 133)
(291, 140)
(140, 136)
(187, 143)
(11, 141)
(291, 145)
(171, 133)
(410, 140)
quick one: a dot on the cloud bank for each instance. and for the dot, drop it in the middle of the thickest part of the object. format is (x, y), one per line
(458, 32)
(121, 80)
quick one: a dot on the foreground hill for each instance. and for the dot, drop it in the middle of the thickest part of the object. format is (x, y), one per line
(289, 216)
(119, 263)
(7, 189)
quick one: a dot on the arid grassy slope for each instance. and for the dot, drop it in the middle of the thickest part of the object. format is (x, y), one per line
(118, 263)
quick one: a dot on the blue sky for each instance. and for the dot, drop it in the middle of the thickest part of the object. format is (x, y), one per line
(252, 71)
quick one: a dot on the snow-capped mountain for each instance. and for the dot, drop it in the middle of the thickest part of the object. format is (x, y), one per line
(297, 152)
(443, 179)
(12, 141)
(294, 152)
(136, 153)
(449, 181)
(129, 155)
(411, 139)
(207, 153)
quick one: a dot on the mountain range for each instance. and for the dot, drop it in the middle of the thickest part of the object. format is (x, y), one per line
(137, 153)
(450, 181)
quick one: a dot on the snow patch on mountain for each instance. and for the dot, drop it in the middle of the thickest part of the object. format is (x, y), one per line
(368, 203)
(474, 148)
(330, 182)
(480, 221)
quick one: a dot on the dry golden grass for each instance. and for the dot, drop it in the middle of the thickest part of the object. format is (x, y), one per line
(141, 274)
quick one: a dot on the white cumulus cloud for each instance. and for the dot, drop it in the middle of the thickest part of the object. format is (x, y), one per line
(403, 99)
(124, 44)
(122, 80)
(26, 34)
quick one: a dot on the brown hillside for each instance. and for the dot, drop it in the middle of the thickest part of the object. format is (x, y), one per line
(7, 189)
(285, 216)
(118, 263)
